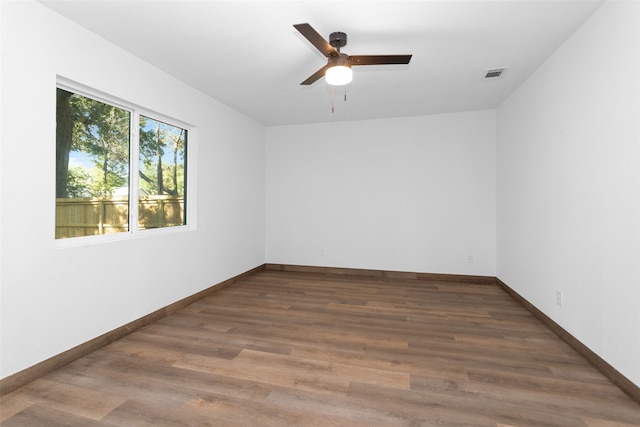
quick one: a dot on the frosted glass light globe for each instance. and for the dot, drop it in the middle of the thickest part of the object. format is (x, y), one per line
(339, 75)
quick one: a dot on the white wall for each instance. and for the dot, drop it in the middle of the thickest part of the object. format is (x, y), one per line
(568, 194)
(53, 299)
(409, 194)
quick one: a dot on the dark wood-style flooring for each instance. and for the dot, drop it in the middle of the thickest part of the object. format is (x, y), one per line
(298, 349)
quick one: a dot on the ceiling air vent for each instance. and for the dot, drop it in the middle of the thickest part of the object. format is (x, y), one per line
(494, 73)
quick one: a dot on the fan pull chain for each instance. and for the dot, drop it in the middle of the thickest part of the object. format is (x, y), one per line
(333, 109)
(332, 104)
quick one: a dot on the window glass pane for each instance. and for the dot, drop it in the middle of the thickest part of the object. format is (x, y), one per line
(92, 166)
(162, 170)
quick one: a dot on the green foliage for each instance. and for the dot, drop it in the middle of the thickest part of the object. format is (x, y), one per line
(100, 136)
(78, 182)
(101, 133)
(150, 171)
(84, 182)
(162, 153)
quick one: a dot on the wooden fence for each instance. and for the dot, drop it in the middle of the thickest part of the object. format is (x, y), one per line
(103, 215)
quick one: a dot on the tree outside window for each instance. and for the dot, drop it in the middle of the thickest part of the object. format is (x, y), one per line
(94, 169)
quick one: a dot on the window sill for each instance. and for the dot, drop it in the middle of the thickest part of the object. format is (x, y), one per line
(74, 242)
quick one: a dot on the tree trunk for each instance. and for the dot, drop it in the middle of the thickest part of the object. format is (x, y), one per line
(105, 173)
(64, 133)
(159, 154)
(175, 170)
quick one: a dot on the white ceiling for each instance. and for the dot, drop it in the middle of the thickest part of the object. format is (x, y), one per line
(247, 54)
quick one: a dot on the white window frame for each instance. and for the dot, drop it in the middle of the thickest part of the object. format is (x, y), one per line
(136, 111)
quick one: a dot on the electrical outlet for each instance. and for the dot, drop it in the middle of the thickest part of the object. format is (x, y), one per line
(560, 298)
(470, 259)
(321, 252)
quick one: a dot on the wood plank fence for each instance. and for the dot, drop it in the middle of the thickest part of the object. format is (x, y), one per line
(88, 216)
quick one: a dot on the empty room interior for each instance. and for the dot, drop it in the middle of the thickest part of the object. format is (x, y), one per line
(198, 227)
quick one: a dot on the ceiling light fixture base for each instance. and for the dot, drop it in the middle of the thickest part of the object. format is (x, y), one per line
(338, 40)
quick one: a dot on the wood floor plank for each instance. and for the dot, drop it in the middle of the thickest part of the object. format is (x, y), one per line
(144, 414)
(10, 406)
(313, 376)
(324, 410)
(461, 408)
(80, 401)
(287, 348)
(594, 422)
(623, 411)
(38, 415)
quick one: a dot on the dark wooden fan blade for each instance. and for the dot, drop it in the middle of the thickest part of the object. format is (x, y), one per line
(316, 39)
(315, 76)
(379, 59)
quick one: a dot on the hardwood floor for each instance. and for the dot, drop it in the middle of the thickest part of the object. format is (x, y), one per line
(283, 348)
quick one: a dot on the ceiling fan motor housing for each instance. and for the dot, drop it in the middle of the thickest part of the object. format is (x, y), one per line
(341, 60)
(338, 39)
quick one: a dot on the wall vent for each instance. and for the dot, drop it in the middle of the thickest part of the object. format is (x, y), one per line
(494, 73)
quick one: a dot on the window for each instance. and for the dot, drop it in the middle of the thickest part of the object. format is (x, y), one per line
(162, 174)
(117, 170)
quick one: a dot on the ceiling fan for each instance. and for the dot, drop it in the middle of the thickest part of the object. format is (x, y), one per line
(338, 69)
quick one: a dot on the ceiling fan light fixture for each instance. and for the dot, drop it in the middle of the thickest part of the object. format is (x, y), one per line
(339, 75)
(337, 72)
